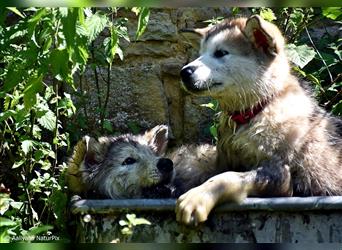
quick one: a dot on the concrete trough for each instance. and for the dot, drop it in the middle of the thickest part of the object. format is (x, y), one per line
(257, 220)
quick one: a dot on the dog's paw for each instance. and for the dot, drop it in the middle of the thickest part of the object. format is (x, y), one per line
(194, 206)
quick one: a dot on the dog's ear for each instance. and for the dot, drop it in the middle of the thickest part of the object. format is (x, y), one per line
(262, 35)
(194, 36)
(157, 138)
(94, 151)
(199, 32)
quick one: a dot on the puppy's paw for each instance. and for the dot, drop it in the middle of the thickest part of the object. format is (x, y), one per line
(194, 206)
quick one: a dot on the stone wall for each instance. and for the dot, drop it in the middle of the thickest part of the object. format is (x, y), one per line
(146, 89)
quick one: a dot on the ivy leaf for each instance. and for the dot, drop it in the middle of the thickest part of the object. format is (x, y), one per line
(48, 120)
(300, 55)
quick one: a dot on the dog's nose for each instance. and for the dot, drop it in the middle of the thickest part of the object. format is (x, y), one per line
(165, 165)
(186, 74)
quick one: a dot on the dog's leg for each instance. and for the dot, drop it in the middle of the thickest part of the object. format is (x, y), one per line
(194, 206)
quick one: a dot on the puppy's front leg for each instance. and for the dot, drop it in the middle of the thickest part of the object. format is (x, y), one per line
(194, 206)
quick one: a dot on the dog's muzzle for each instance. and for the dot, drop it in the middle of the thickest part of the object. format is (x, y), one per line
(187, 77)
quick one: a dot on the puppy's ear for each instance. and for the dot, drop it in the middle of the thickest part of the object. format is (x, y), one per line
(95, 150)
(193, 36)
(157, 138)
(199, 32)
(263, 35)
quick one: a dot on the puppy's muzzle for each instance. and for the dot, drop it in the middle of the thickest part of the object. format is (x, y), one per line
(187, 77)
(165, 167)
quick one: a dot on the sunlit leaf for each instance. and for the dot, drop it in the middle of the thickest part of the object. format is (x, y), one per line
(332, 12)
(26, 146)
(48, 120)
(95, 24)
(16, 11)
(300, 55)
(267, 14)
(144, 15)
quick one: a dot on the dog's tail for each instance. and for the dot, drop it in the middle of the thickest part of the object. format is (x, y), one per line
(73, 175)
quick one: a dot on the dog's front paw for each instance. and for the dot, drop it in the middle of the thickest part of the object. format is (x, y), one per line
(194, 206)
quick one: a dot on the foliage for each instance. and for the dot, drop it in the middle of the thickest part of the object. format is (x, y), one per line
(314, 50)
(131, 222)
(41, 51)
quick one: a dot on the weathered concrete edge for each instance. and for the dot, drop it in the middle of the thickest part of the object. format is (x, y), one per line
(108, 206)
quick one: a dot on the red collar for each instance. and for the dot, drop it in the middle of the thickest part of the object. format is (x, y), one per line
(245, 116)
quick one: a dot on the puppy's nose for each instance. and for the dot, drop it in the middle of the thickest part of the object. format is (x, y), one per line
(165, 165)
(186, 73)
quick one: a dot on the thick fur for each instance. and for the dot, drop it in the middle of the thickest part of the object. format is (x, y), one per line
(98, 168)
(292, 147)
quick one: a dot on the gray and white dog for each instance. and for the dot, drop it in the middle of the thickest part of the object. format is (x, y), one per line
(135, 166)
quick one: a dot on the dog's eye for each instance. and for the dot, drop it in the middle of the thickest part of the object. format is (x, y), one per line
(220, 53)
(129, 161)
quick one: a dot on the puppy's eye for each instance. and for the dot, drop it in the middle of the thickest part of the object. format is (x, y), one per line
(129, 161)
(220, 53)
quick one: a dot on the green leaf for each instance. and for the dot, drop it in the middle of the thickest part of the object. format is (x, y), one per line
(48, 120)
(5, 222)
(108, 126)
(300, 55)
(39, 229)
(69, 27)
(5, 115)
(123, 223)
(59, 59)
(144, 15)
(16, 11)
(267, 14)
(95, 24)
(17, 204)
(18, 163)
(209, 105)
(13, 77)
(213, 131)
(131, 217)
(126, 231)
(26, 146)
(141, 221)
(34, 86)
(4, 203)
(337, 108)
(332, 12)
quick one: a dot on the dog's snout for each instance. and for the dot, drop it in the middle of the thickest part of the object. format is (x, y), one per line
(165, 165)
(186, 74)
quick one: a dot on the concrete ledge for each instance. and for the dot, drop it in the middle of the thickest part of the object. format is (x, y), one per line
(269, 204)
(261, 220)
